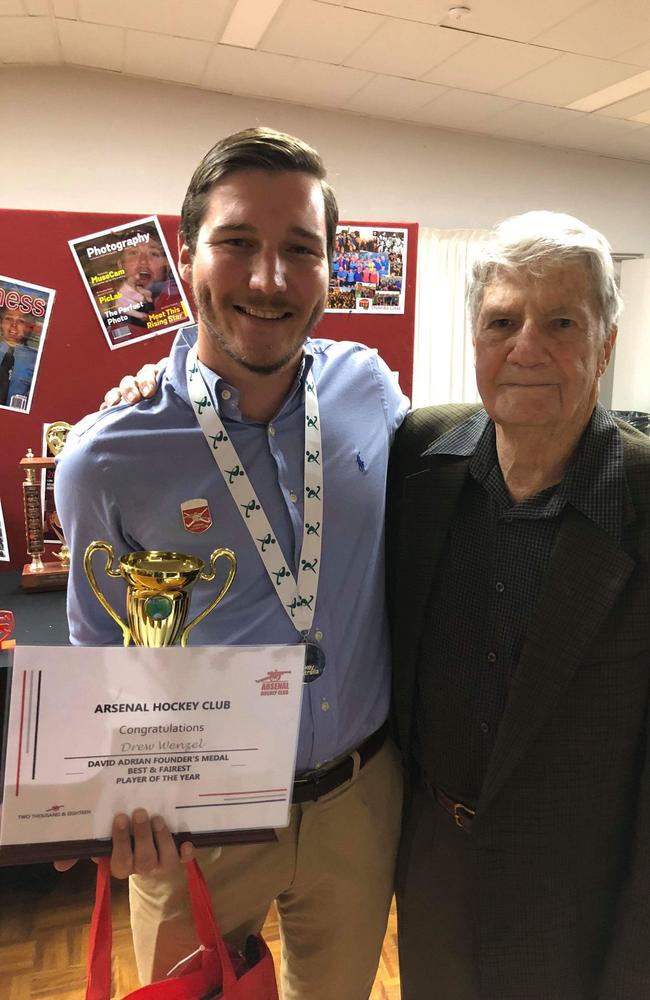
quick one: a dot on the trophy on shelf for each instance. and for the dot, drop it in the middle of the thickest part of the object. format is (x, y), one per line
(39, 574)
(159, 585)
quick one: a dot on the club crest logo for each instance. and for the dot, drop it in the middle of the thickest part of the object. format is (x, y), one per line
(196, 516)
(272, 683)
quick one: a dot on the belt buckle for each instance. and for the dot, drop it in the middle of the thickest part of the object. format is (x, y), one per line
(463, 816)
(312, 782)
(315, 782)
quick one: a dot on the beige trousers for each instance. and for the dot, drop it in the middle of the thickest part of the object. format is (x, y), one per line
(330, 873)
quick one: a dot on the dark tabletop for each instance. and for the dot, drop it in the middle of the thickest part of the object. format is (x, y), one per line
(40, 621)
(40, 617)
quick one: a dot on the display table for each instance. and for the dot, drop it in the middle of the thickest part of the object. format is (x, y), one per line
(40, 621)
(40, 616)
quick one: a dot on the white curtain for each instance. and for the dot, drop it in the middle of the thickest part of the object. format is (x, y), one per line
(443, 364)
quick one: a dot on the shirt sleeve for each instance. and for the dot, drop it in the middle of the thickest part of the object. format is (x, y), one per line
(86, 504)
(396, 404)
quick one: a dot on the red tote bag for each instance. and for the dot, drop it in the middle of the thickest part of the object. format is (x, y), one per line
(210, 975)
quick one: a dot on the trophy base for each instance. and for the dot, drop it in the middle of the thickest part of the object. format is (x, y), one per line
(53, 576)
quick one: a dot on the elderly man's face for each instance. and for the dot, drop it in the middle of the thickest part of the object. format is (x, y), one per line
(539, 349)
(14, 327)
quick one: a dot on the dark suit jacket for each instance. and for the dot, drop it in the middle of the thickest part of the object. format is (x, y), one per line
(560, 848)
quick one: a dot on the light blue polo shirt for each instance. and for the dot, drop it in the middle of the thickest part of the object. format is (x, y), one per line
(125, 473)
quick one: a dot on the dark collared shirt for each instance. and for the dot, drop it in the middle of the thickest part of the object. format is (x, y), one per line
(489, 577)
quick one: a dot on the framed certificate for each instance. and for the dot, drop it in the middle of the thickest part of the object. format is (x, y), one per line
(205, 737)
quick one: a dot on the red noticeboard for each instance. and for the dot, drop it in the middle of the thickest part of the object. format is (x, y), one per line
(77, 367)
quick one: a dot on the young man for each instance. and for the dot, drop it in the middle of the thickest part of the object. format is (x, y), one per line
(257, 230)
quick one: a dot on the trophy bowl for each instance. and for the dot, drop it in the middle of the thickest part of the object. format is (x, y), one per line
(160, 570)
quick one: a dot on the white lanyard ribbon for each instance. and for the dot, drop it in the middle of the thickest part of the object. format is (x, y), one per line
(298, 596)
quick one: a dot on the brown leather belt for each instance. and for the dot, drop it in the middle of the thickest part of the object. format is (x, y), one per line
(462, 815)
(313, 787)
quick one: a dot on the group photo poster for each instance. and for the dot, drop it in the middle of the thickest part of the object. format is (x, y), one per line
(4, 546)
(24, 316)
(368, 270)
(132, 281)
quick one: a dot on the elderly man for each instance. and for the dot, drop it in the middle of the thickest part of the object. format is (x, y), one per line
(519, 585)
(257, 230)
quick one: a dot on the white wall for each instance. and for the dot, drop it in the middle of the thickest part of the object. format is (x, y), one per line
(76, 139)
(631, 382)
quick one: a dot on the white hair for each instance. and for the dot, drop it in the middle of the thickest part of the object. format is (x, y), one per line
(536, 242)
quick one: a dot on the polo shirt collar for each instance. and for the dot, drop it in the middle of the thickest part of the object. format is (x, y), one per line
(224, 396)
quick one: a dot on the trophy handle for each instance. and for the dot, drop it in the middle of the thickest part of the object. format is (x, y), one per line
(88, 568)
(230, 556)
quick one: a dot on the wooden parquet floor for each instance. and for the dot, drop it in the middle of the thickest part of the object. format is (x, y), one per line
(44, 919)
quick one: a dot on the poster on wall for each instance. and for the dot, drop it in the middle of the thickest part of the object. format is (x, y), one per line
(132, 281)
(4, 546)
(368, 270)
(24, 315)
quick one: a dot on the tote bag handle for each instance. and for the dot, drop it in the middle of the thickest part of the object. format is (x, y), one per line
(101, 934)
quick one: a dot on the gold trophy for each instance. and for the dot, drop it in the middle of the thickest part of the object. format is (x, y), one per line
(40, 575)
(63, 555)
(159, 585)
(56, 436)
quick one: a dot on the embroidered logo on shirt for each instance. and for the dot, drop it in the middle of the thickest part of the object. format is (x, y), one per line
(196, 516)
(361, 465)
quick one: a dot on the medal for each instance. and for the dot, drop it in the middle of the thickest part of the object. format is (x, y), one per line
(314, 661)
(298, 593)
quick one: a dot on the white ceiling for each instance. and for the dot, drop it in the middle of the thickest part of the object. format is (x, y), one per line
(509, 68)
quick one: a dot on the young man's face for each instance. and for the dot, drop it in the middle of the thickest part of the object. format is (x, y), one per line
(260, 270)
(14, 327)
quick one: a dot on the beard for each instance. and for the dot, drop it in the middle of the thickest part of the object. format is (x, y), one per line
(208, 318)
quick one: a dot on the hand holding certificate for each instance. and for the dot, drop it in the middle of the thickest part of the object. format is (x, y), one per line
(140, 845)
